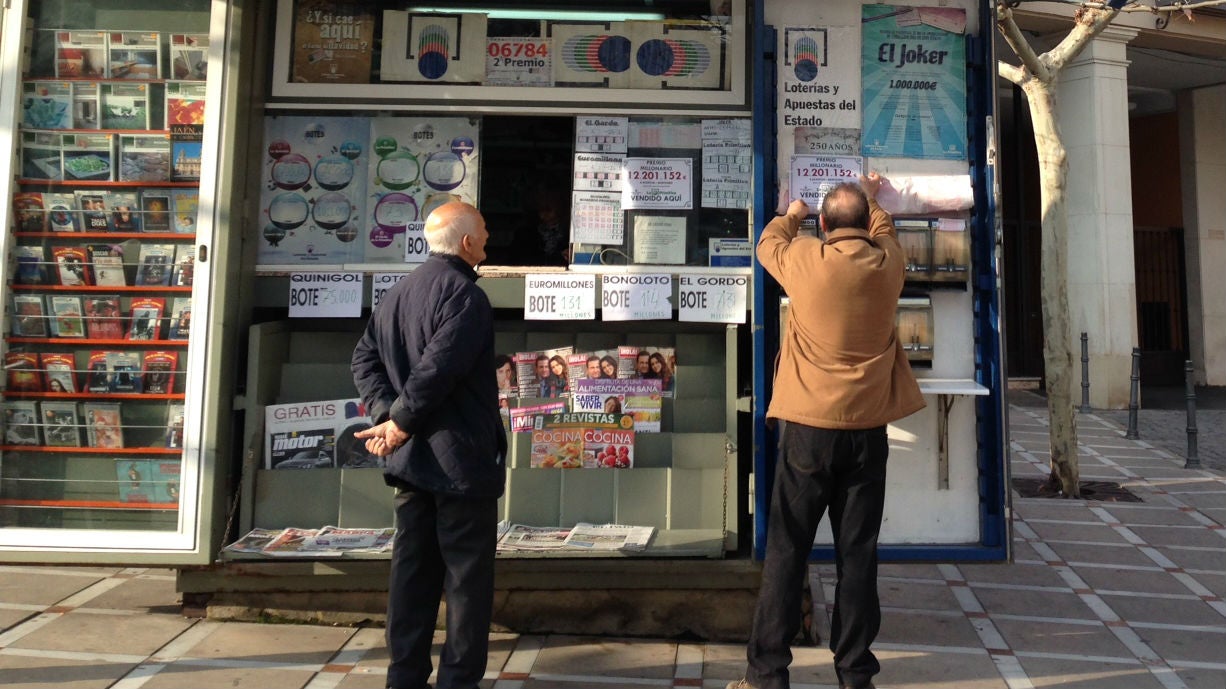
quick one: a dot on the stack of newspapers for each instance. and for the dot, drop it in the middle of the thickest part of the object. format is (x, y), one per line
(583, 536)
(329, 541)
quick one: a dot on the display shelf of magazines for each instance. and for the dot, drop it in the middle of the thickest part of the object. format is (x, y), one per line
(99, 298)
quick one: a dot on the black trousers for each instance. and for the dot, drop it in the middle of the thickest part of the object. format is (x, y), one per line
(820, 469)
(443, 544)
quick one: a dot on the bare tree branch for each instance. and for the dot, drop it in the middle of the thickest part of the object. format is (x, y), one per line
(1176, 7)
(1013, 73)
(1087, 24)
(1013, 36)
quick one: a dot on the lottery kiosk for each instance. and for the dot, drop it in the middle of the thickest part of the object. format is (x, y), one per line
(280, 158)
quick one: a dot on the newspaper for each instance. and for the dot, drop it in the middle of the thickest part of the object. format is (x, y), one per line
(329, 541)
(584, 536)
(609, 537)
(254, 541)
(520, 537)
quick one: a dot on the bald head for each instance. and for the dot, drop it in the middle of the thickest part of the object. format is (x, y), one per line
(449, 224)
(845, 206)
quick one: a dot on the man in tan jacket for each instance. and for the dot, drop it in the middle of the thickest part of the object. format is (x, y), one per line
(842, 376)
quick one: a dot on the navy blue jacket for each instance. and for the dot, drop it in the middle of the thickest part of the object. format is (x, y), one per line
(426, 360)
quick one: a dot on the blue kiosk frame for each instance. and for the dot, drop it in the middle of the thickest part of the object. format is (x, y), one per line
(986, 296)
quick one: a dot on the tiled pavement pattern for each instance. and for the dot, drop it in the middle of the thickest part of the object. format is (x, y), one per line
(1101, 595)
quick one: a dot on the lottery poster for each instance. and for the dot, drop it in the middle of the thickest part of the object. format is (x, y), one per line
(313, 190)
(913, 63)
(596, 218)
(416, 165)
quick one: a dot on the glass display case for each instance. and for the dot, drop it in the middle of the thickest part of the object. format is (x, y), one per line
(101, 441)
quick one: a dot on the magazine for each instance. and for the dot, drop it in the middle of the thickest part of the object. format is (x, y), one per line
(86, 113)
(134, 55)
(72, 263)
(31, 265)
(641, 399)
(124, 211)
(59, 371)
(21, 423)
(80, 54)
(107, 263)
(609, 537)
(583, 440)
(185, 102)
(103, 424)
(175, 421)
(186, 142)
(185, 204)
(135, 480)
(41, 155)
(144, 158)
(155, 210)
(543, 373)
(29, 211)
(521, 418)
(159, 372)
(61, 212)
(103, 319)
(146, 318)
(184, 272)
(180, 318)
(650, 363)
(61, 426)
(189, 56)
(66, 320)
(94, 217)
(125, 106)
(29, 317)
(88, 157)
(21, 372)
(125, 371)
(46, 105)
(148, 480)
(97, 375)
(156, 262)
(316, 435)
(166, 477)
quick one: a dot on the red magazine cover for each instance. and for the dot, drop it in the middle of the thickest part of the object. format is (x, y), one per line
(29, 210)
(159, 372)
(21, 369)
(59, 371)
(73, 265)
(146, 318)
(103, 319)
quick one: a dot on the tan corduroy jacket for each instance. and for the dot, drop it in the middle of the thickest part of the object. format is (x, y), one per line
(840, 364)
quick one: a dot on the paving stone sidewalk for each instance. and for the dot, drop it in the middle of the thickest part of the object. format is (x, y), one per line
(1099, 596)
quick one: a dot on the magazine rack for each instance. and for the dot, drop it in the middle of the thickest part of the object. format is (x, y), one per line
(104, 235)
(680, 483)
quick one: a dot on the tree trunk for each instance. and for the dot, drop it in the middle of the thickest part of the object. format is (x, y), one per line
(1057, 344)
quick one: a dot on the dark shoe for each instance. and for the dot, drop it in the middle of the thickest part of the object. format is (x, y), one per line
(870, 685)
(740, 684)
